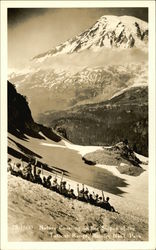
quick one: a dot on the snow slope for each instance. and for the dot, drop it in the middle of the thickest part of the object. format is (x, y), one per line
(38, 214)
(108, 31)
(125, 191)
(56, 213)
(133, 198)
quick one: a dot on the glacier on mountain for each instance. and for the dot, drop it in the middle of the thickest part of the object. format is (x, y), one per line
(108, 32)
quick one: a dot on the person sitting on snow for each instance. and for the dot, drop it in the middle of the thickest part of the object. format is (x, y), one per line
(80, 193)
(55, 185)
(10, 166)
(38, 177)
(27, 172)
(15, 169)
(86, 195)
(48, 181)
(71, 194)
(63, 190)
(91, 199)
(107, 206)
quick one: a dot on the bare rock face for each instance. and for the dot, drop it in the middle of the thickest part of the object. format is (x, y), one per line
(125, 151)
(20, 120)
(19, 113)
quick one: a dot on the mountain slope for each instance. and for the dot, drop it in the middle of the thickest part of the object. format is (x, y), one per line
(48, 216)
(106, 123)
(89, 85)
(20, 121)
(108, 31)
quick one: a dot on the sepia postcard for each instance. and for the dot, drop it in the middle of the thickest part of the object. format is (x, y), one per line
(78, 125)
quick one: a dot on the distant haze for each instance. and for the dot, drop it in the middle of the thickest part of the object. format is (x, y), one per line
(33, 31)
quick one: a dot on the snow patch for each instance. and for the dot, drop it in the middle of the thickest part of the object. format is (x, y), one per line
(82, 149)
(52, 145)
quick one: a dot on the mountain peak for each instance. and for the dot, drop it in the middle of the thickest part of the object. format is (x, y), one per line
(108, 32)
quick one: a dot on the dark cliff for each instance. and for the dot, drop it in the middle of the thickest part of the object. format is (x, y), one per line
(20, 120)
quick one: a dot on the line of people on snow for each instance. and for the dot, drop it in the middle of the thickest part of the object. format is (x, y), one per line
(31, 173)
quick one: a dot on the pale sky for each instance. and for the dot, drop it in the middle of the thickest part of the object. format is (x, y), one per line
(33, 31)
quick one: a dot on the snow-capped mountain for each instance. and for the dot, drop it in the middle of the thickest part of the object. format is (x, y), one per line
(107, 32)
(112, 58)
(93, 86)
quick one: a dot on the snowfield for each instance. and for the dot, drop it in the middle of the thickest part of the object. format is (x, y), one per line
(135, 193)
(38, 214)
(51, 217)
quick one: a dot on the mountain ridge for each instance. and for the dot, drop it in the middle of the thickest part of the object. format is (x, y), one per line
(89, 85)
(108, 31)
(106, 123)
